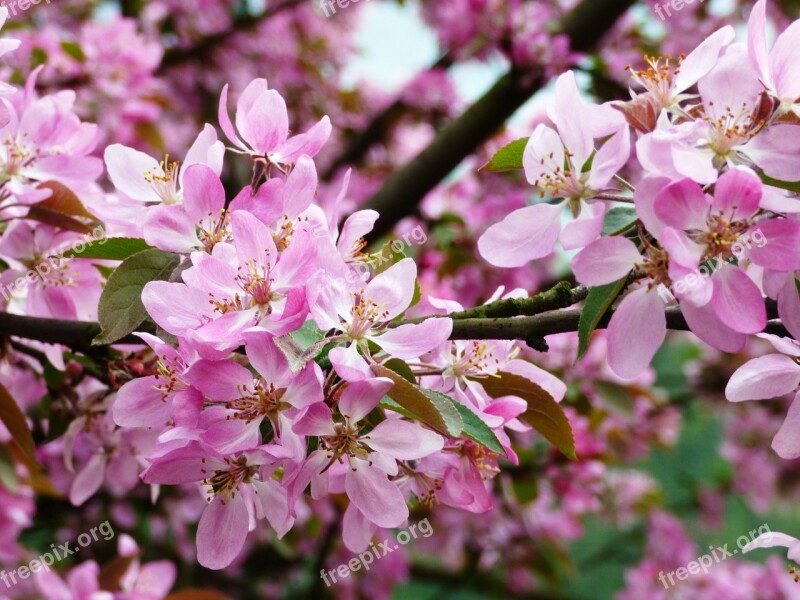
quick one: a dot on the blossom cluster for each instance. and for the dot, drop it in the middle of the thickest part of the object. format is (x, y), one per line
(711, 141)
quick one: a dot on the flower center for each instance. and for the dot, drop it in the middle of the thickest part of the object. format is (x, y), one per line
(472, 360)
(214, 229)
(559, 181)
(658, 77)
(655, 265)
(720, 236)
(732, 129)
(365, 314)
(226, 482)
(260, 401)
(164, 181)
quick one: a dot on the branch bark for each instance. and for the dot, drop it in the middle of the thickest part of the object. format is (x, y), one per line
(536, 327)
(377, 129)
(402, 192)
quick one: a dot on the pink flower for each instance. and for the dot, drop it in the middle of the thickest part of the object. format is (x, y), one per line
(365, 460)
(62, 288)
(772, 376)
(199, 222)
(362, 315)
(727, 129)
(239, 287)
(778, 69)
(773, 539)
(166, 397)
(666, 86)
(240, 489)
(263, 124)
(563, 164)
(45, 140)
(242, 401)
(144, 179)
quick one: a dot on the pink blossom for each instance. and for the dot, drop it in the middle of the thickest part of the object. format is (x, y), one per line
(263, 124)
(531, 232)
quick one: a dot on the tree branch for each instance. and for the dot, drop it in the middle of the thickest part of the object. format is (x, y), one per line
(377, 129)
(402, 192)
(536, 327)
(562, 295)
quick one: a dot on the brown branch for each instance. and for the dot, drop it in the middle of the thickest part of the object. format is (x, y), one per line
(402, 192)
(78, 334)
(523, 328)
(378, 128)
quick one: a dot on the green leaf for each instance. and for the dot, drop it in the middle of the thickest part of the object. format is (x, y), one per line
(387, 402)
(12, 417)
(596, 305)
(388, 256)
(109, 249)
(74, 50)
(121, 310)
(430, 407)
(508, 158)
(619, 219)
(401, 368)
(792, 186)
(478, 431)
(587, 166)
(106, 272)
(544, 414)
(63, 209)
(308, 335)
(38, 57)
(8, 469)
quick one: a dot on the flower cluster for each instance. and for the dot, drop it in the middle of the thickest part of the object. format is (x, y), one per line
(712, 139)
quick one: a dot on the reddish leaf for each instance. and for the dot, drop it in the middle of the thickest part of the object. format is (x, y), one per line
(63, 209)
(544, 414)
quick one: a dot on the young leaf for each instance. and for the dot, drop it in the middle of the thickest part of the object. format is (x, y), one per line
(74, 50)
(430, 407)
(792, 186)
(109, 249)
(544, 414)
(8, 470)
(14, 420)
(113, 572)
(63, 209)
(619, 219)
(121, 310)
(388, 256)
(308, 335)
(596, 305)
(401, 368)
(508, 158)
(478, 431)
